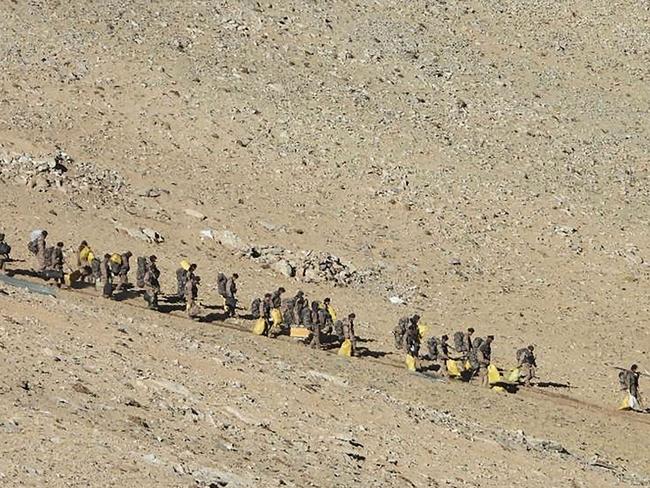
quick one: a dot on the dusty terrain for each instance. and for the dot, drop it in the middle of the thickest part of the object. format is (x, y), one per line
(485, 164)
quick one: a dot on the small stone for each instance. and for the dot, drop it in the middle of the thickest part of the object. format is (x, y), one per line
(195, 214)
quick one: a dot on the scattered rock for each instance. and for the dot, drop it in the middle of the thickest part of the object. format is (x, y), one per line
(195, 214)
(284, 268)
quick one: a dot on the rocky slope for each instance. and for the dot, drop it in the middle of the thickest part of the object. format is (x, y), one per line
(484, 163)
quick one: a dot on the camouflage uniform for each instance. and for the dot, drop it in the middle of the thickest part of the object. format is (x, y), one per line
(400, 331)
(317, 321)
(191, 295)
(265, 309)
(41, 246)
(483, 355)
(123, 272)
(57, 261)
(527, 365)
(5, 249)
(630, 382)
(299, 303)
(230, 297)
(151, 285)
(349, 334)
(107, 277)
(412, 340)
(181, 281)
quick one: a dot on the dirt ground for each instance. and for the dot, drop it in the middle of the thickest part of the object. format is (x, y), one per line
(484, 164)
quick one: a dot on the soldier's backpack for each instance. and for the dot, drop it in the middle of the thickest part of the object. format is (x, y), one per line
(477, 342)
(459, 341)
(432, 343)
(95, 266)
(221, 284)
(32, 247)
(142, 269)
(622, 380)
(48, 256)
(115, 263)
(5, 248)
(255, 308)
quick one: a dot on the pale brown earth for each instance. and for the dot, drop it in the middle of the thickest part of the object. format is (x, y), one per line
(511, 137)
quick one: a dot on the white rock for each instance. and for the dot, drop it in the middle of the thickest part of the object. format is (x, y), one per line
(195, 214)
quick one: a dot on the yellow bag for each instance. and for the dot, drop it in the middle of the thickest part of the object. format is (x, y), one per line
(276, 317)
(410, 362)
(513, 375)
(493, 374)
(346, 348)
(83, 254)
(332, 313)
(116, 258)
(90, 256)
(453, 368)
(259, 327)
(423, 329)
(468, 366)
(185, 264)
(629, 403)
(499, 389)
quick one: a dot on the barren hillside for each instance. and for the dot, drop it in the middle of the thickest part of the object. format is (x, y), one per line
(483, 163)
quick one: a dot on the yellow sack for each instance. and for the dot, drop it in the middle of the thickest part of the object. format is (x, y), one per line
(513, 375)
(423, 329)
(276, 317)
(468, 366)
(629, 403)
(185, 264)
(259, 327)
(83, 254)
(499, 389)
(332, 313)
(346, 348)
(453, 369)
(410, 362)
(493, 374)
(116, 258)
(90, 256)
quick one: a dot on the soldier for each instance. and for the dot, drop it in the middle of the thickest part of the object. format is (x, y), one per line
(412, 338)
(182, 275)
(338, 331)
(191, 295)
(106, 276)
(265, 313)
(230, 296)
(314, 338)
(84, 259)
(255, 309)
(287, 311)
(41, 248)
(483, 356)
(399, 332)
(276, 298)
(298, 305)
(463, 342)
(152, 283)
(439, 351)
(123, 272)
(327, 305)
(276, 314)
(56, 261)
(629, 381)
(527, 364)
(5, 250)
(348, 332)
(305, 315)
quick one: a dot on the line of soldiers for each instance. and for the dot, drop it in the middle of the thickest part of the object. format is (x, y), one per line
(280, 313)
(475, 351)
(320, 320)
